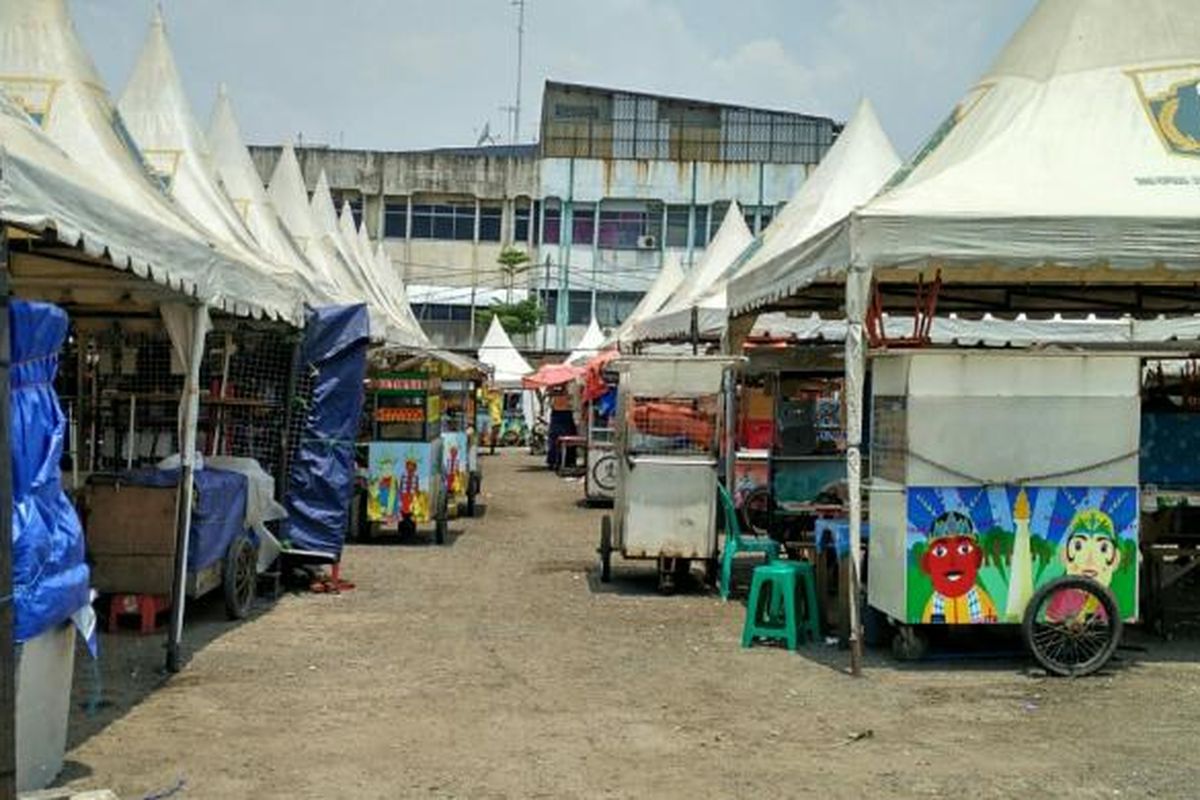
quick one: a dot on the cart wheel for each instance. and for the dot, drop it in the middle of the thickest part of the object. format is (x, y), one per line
(605, 549)
(407, 528)
(667, 573)
(909, 644)
(473, 486)
(511, 438)
(1072, 626)
(240, 577)
(756, 511)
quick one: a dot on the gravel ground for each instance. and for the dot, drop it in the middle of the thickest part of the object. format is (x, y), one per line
(498, 667)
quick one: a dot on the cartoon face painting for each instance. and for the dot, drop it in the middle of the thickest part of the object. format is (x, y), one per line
(1091, 549)
(952, 562)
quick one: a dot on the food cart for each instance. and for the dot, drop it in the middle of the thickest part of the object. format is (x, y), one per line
(666, 445)
(405, 480)
(599, 393)
(1004, 489)
(462, 382)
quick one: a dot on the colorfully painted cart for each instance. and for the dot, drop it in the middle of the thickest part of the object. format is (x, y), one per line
(460, 440)
(666, 444)
(405, 481)
(1004, 490)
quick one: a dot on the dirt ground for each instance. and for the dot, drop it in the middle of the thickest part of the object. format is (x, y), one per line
(498, 667)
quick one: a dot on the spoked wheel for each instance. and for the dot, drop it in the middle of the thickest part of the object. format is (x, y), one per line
(605, 549)
(756, 511)
(240, 578)
(1072, 626)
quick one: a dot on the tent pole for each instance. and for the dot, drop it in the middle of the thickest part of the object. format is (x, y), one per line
(857, 289)
(8, 662)
(189, 411)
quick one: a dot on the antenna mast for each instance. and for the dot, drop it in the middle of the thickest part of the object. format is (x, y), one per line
(516, 109)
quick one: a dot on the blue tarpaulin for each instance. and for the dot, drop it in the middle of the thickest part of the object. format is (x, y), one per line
(218, 509)
(50, 577)
(321, 474)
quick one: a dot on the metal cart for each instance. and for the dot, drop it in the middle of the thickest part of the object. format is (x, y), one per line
(600, 477)
(666, 445)
(1004, 490)
(405, 482)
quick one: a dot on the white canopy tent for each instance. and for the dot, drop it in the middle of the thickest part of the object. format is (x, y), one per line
(1069, 167)
(702, 291)
(362, 276)
(45, 70)
(670, 275)
(96, 194)
(241, 180)
(158, 116)
(852, 172)
(508, 365)
(591, 344)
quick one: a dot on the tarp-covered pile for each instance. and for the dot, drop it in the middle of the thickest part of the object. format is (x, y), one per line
(50, 578)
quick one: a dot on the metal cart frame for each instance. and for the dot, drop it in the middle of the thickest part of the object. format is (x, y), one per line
(666, 489)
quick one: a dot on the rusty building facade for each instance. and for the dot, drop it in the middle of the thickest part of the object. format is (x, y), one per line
(616, 181)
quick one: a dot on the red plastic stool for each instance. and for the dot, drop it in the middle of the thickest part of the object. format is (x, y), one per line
(146, 606)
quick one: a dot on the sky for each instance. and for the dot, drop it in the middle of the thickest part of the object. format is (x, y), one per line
(408, 74)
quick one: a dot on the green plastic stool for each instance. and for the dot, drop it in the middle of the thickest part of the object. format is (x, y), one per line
(772, 610)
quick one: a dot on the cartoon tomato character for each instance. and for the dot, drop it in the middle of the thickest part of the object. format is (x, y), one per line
(952, 562)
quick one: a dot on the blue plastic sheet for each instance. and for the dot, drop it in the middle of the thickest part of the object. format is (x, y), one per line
(50, 577)
(321, 474)
(218, 509)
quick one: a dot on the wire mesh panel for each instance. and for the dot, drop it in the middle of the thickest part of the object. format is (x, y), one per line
(120, 383)
(248, 394)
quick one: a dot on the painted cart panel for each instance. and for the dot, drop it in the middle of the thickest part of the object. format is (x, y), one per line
(977, 554)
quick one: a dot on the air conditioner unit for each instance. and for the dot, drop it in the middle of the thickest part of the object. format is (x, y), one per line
(647, 242)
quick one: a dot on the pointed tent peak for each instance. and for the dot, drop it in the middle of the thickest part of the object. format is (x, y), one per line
(736, 220)
(156, 16)
(44, 39)
(589, 345)
(1065, 36)
(290, 196)
(496, 337)
(727, 245)
(322, 204)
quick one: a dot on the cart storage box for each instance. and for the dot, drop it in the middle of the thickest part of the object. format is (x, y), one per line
(131, 538)
(985, 465)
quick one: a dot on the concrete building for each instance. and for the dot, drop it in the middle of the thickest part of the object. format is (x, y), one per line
(616, 180)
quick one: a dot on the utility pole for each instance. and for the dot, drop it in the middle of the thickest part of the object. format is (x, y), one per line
(516, 109)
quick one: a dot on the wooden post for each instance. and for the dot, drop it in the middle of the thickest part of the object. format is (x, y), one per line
(8, 661)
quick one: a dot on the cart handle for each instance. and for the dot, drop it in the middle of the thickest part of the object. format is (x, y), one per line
(634, 460)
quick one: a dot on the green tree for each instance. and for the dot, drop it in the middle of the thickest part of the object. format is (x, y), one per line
(519, 318)
(513, 262)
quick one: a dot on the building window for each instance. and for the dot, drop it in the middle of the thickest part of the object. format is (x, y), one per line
(444, 221)
(765, 214)
(522, 216)
(677, 226)
(490, 221)
(583, 224)
(552, 233)
(395, 220)
(626, 230)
